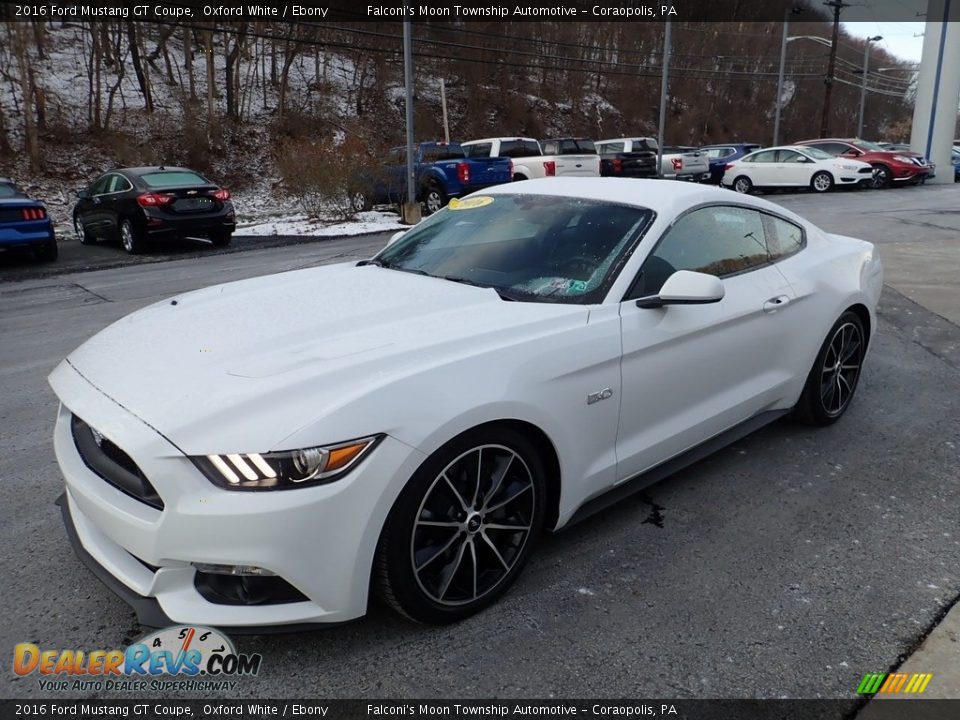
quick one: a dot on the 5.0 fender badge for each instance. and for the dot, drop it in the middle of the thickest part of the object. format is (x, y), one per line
(599, 395)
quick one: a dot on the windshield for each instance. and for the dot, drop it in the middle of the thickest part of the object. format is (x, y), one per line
(817, 154)
(867, 145)
(536, 248)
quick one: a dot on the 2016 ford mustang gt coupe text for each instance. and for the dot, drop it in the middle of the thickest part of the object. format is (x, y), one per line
(267, 452)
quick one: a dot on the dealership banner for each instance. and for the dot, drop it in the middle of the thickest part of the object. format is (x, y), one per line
(383, 709)
(187, 11)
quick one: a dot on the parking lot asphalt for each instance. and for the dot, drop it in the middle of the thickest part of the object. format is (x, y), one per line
(787, 565)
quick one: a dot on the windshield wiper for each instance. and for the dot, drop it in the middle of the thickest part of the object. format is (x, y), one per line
(502, 292)
(376, 262)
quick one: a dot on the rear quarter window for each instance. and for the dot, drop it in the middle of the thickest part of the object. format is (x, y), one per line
(519, 148)
(173, 179)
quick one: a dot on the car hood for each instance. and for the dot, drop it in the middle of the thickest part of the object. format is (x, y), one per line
(240, 367)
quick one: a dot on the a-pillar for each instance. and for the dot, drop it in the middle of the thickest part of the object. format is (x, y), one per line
(938, 87)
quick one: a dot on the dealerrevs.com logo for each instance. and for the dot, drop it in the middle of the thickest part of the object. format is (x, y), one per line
(183, 657)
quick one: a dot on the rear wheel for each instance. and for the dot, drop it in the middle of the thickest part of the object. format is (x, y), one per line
(833, 379)
(463, 527)
(519, 178)
(743, 184)
(131, 238)
(433, 199)
(821, 182)
(221, 239)
(360, 202)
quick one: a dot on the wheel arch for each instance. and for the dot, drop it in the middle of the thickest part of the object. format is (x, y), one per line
(544, 445)
(861, 311)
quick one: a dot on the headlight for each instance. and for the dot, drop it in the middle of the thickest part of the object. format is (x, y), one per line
(287, 469)
(901, 158)
(848, 167)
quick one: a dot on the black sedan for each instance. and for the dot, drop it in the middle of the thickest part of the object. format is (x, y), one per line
(135, 205)
(24, 223)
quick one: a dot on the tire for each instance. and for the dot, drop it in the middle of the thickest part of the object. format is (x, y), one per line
(829, 389)
(434, 198)
(742, 184)
(47, 252)
(461, 573)
(821, 182)
(519, 178)
(82, 234)
(360, 202)
(221, 239)
(131, 238)
(882, 177)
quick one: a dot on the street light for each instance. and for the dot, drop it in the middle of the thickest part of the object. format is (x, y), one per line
(863, 81)
(783, 60)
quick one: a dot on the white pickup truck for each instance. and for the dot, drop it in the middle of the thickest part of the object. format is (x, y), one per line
(556, 158)
(684, 163)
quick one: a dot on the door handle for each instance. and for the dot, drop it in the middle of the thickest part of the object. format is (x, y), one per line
(776, 303)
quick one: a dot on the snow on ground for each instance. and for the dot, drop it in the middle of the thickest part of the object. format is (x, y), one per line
(301, 225)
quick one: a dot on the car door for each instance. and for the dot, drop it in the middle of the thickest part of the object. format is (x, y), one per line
(793, 168)
(91, 212)
(690, 372)
(111, 203)
(762, 170)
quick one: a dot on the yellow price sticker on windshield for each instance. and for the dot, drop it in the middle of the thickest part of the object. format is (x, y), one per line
(470, 203)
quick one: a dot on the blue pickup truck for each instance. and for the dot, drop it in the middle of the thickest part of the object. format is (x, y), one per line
(443, 171)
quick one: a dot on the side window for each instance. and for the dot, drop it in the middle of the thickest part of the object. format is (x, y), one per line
(478, 151)
(551, 147)
(832, 148)
(398, 157)
(790, 156)
(783, 237)
(716, 240)
(767, 156)
(101, 185)
(118, 183)
(611, 148)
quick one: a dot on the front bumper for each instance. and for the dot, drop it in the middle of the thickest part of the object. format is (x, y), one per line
(321, 540)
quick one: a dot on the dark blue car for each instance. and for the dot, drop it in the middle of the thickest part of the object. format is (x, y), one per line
(721, 154)
(955, 159)
(24, 223)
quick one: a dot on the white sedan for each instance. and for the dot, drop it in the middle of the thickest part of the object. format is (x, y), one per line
(795, 166)
(265, 452)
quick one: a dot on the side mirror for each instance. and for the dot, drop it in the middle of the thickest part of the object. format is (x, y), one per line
(396, 236)
(83, 194)
(686, 287)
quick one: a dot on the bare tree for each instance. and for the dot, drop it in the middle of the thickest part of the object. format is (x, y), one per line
(30, 139)
(138, 67)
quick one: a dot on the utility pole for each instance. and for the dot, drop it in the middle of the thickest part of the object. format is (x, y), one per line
(664, 83)
(795, 10)
(837, 6)
(410, 210)
(863, 80)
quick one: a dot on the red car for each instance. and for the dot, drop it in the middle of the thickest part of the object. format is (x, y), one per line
(889, 167)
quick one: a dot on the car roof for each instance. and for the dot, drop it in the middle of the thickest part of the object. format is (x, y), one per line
(505, 138)
(631, 138)
(662, 196)
(147, 169)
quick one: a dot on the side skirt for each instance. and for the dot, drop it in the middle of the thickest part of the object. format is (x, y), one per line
(673, 465)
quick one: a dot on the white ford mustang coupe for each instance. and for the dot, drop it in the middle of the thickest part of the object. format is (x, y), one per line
(267, 452)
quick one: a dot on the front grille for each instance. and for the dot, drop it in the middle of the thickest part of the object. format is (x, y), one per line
(865, 171)
(112, 464)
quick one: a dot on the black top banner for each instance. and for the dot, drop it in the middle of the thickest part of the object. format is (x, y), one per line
(525, 709)
(465, 10)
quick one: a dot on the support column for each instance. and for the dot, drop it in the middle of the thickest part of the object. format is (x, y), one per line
(938, 87)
